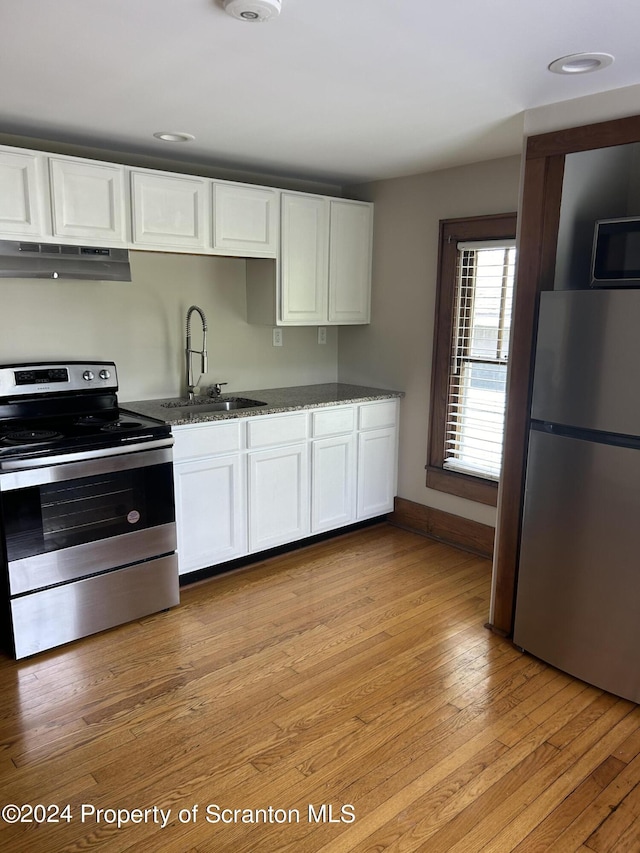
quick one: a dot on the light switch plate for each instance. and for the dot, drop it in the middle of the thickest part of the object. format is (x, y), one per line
(277, 337)
(322, 334)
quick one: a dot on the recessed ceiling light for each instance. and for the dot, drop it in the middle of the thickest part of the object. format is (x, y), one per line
(174, 136)
(580, 63)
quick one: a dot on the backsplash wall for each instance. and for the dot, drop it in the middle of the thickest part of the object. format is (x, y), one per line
(141, 326)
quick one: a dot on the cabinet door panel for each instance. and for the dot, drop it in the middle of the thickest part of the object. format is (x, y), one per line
(304, 259)
(277, 430)
(209, 439)
(377, 415)
(328, 422)
(278, 496)
(21, 192)
(376, 472)
(350, 262)
(245, 220)
(210, 511)
(169, 211)
(88, 200)
(333, 478)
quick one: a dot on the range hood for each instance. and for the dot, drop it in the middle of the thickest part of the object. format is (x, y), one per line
(19, 259)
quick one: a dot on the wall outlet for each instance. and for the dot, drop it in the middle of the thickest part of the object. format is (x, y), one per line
(277, 337)
(322, 334)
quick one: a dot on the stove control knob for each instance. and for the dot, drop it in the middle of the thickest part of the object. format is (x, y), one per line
(88, 375)
(104, 374)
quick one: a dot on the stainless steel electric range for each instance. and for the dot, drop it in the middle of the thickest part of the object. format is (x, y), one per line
(87, 519)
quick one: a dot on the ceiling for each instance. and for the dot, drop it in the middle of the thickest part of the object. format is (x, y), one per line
(341, 91)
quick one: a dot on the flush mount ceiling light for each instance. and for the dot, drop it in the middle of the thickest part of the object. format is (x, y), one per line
(174, 136)
(580, 63)
(253, 11)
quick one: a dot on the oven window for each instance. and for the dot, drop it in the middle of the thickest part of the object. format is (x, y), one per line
(60, 515)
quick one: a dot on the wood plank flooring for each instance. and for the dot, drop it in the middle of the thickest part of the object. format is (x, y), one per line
(354, 676)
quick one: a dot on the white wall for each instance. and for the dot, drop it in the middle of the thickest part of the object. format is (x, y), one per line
(616, 103)
(395, 350)
(141, 326)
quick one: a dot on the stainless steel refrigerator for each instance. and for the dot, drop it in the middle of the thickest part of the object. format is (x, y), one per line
(578, 592)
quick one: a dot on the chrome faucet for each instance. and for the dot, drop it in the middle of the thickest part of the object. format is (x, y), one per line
(201, 352)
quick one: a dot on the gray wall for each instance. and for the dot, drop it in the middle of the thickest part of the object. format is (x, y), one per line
(140, 326)
(395, 350)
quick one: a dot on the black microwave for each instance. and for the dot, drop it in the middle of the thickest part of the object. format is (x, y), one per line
(615, 261)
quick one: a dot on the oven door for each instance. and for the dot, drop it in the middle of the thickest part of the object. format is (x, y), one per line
(71, 520)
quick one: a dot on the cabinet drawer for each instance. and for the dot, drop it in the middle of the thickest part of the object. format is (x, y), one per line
(279, 429)
(377, 415)
(207, 440)
(333, 421)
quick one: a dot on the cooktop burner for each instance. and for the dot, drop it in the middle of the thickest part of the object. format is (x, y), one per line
(120, 426)
(30, 436)
(89, 421)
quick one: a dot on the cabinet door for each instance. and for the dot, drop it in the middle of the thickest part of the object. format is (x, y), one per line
(278, 496)
(21, 194)
(87, 200)
(333, 474)
(350, 262)
(376, 472)
(169, 211)
(210, 511)
(245, 220)
(304, 259)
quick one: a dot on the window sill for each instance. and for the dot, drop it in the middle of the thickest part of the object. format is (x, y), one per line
(463, 485)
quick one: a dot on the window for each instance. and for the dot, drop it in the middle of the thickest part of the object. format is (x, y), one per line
(473, 319)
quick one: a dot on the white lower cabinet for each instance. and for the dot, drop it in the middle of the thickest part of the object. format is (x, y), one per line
(249, 484)
(333, 468)
(210, 491)
(278, 479)
(210, 495)
(377, 457)
(278, 496)
(333, 494)
(376, 472)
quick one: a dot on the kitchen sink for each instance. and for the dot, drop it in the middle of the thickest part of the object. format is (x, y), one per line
(213, 404)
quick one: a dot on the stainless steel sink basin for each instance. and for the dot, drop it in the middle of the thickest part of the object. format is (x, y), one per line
(213, 404)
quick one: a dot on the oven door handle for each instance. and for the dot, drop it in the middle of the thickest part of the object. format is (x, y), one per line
(24, 473)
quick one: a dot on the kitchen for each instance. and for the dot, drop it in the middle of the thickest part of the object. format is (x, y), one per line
(393, 352)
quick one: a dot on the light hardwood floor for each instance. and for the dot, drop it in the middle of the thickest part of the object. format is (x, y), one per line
(353, 673)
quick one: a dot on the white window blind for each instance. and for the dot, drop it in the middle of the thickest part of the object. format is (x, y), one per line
(478, 372)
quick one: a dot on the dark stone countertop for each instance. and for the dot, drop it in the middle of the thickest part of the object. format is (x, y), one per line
(293, 399)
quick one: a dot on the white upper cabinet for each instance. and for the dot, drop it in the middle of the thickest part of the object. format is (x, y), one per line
(22, 192)
(304, 263)
(325, 264)
(169, 211)
(245, 220)
(350, 242)
(308, 256)
(87, 201)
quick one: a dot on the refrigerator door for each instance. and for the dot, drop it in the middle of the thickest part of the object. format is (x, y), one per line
(578, 599)
(587, 358)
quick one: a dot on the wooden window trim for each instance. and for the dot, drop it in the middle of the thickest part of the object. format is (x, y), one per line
(453, 231)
